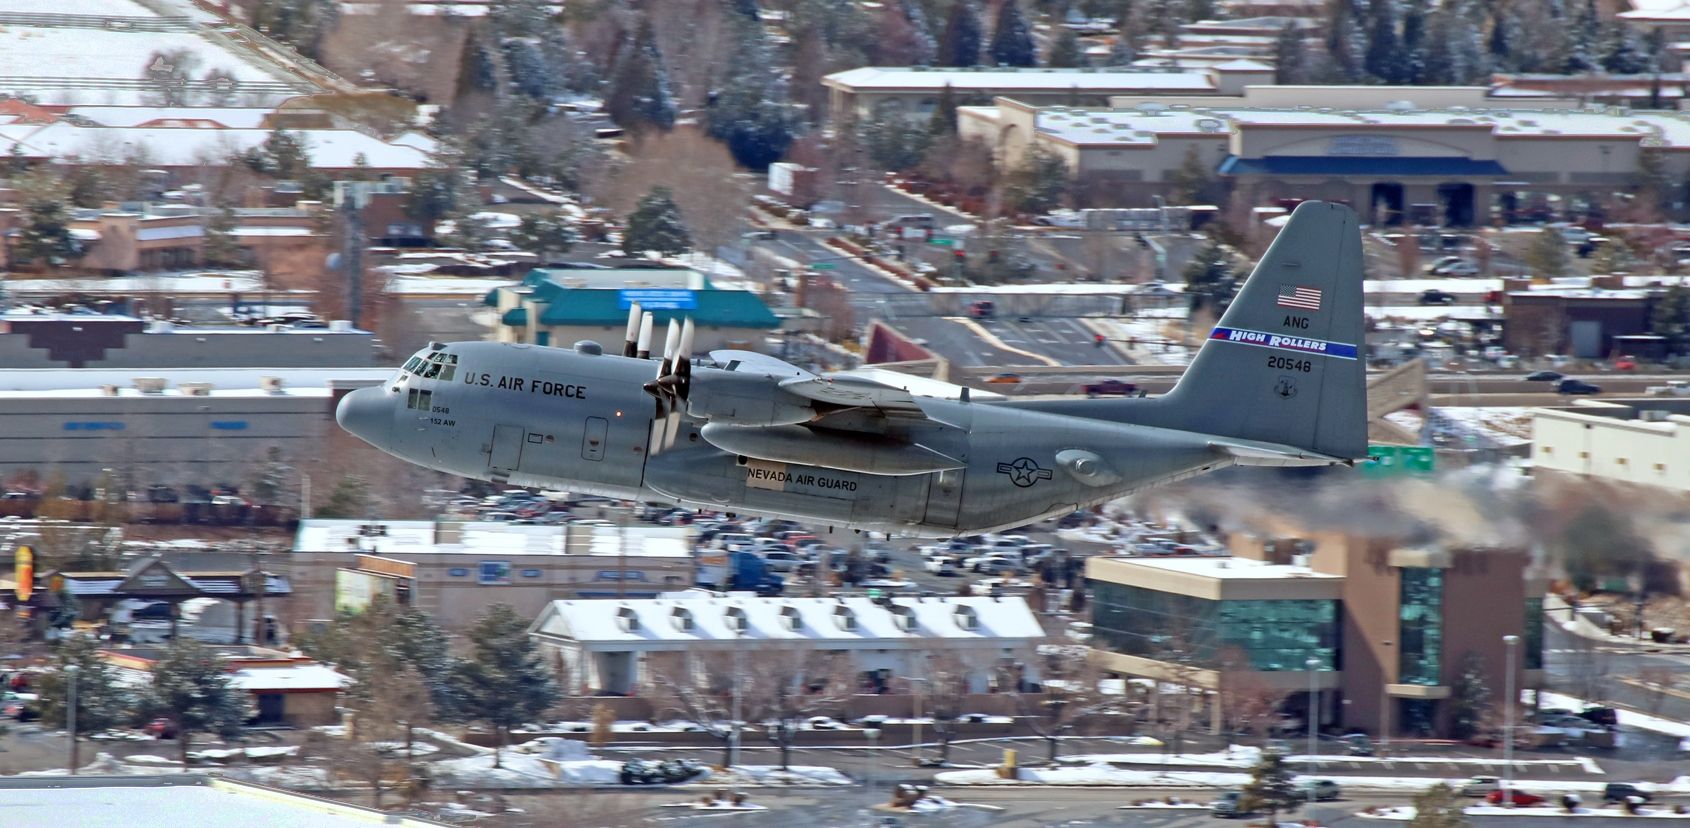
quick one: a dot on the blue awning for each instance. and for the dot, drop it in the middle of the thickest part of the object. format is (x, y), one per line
(1360, 165)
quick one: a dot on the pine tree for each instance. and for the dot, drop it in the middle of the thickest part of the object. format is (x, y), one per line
(102, 701)
(1288, 56)
(1470, 704)
(221, 248)
(85, 186)
(1012, 39)
(1122, 52)
(1581, 40)
(639, 97)
(1192, 182)
(1065, 50)
(45, 237)
(545, 233)
(1271, 788)
(1211, 279)
(504, 682)
(350, 499)
(1621, 53)
(1669, 318)
(1346, 41)
(751, 115)
(192, 688)
(1039, 185)
(1386, 59)
(1414, 42)
(944, 120)
(656, 225)
(960, 44)
(1438, 807)
(530, 73)
(894, 144)
(1548, 257)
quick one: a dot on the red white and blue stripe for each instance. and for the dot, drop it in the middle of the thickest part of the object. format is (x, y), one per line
(1281, 342)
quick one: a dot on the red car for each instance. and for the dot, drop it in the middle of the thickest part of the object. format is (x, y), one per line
(1520, 798)
(160, 729)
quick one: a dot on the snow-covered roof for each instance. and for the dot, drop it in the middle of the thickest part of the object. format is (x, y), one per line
(1008, 80)
(56, 382)
(230, 117)
(677, 622)
(289, 677)
(1226, 568)
(1658, 11)
(169, 799)
(167, 147)
(411, 538)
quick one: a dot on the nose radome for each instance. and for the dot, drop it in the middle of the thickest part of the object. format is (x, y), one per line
(367, 414)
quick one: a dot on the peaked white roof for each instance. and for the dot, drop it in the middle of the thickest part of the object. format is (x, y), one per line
(660, 623)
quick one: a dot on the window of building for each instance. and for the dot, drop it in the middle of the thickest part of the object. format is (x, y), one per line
(1421, 624)
(1274, 635)
(1533, 639)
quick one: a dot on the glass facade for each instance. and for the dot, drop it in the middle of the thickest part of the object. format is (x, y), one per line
(1274, 635)
(1421, 623)
(1533, 639)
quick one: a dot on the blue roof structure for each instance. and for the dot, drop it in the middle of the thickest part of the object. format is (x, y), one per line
(566, 305)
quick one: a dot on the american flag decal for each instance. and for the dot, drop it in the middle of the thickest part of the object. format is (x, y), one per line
(1297, 296)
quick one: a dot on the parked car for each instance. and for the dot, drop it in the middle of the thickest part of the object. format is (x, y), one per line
(1519, 798)
(1230, 806)
(1621, 791)
(1481, 786)
(1545, 376)
(1110, 388)
(781, 560)
(1459, 267)
(1004, 379)
(983, 309)
(160, 729)
(1437, 297)
(1320, 790)
(940, 566)
(1605, 716)
(1573, 386)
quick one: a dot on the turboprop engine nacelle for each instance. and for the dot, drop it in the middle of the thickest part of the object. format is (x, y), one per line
(733, 398)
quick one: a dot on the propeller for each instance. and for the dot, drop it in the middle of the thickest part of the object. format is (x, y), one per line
(671, 387)
(630, 346)
(643, 349)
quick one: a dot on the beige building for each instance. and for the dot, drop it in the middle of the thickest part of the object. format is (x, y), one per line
(456, 570)
(913, 92)
(1458, 165)
(1645, 442)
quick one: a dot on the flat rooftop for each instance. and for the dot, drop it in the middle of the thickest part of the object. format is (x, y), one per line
(1225, 568)
(173, 801)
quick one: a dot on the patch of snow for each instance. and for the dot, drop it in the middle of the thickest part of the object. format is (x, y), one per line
(773, 775)
(520, 770)
(1627, 718)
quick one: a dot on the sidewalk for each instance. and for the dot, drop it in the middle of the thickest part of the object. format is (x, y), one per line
(1581, 626)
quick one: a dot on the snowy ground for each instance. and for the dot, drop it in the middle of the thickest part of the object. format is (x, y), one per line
(1628, 718)
(1110, 776)
(1243, 757)
(1464, 426)
(1406, 813)
(102, 8)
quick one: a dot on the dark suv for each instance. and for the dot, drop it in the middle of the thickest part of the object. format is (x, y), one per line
(1573, 386)
(1622, 791)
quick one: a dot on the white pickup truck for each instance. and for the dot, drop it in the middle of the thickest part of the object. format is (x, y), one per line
(1675, 388)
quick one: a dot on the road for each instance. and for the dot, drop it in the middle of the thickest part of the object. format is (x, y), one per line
(850, 808)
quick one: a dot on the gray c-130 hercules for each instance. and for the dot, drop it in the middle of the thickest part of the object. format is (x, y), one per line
(1279, 382)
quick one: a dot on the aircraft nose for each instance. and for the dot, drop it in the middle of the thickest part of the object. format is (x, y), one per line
(367, 414)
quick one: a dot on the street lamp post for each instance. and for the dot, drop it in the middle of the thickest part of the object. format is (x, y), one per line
(1385, 699)
(1314, 712)
(70, 710)
(873, 736)
(1510, 700)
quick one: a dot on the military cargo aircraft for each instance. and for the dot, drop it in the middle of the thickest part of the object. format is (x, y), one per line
(1278, 382)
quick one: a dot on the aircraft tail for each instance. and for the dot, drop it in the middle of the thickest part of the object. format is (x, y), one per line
(1286, 365)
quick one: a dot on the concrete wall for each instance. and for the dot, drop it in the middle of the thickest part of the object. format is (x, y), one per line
(1632, 451)
(165, 439)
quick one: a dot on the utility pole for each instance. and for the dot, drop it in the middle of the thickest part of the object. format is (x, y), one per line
(70, 710)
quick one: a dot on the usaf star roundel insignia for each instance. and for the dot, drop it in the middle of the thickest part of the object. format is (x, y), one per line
(1024, 472)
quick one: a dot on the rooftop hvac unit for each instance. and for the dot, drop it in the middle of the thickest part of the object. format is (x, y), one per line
(150, 385)
(195, 389)
(271, 385)
(108, 390)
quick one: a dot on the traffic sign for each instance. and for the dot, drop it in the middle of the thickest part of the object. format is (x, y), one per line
(942, 242)
(824, 266)
(1387, 461)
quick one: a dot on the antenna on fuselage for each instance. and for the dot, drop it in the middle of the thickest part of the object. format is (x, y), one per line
(630, 343)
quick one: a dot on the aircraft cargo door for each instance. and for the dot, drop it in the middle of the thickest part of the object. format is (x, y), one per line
(944, 498)
(507, 450)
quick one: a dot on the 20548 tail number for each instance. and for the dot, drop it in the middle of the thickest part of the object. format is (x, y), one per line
(1279, 363)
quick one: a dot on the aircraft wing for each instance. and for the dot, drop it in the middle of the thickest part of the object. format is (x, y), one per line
(751, 362)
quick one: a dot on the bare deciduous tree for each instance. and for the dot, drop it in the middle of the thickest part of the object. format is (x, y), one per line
(786, 684)
(707, 186)
(697, 686)
(1069, 695)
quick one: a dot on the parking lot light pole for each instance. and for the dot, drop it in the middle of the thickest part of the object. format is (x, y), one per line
(873, 736)
(1313, 717)
(70, 710)
(1510, 700)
